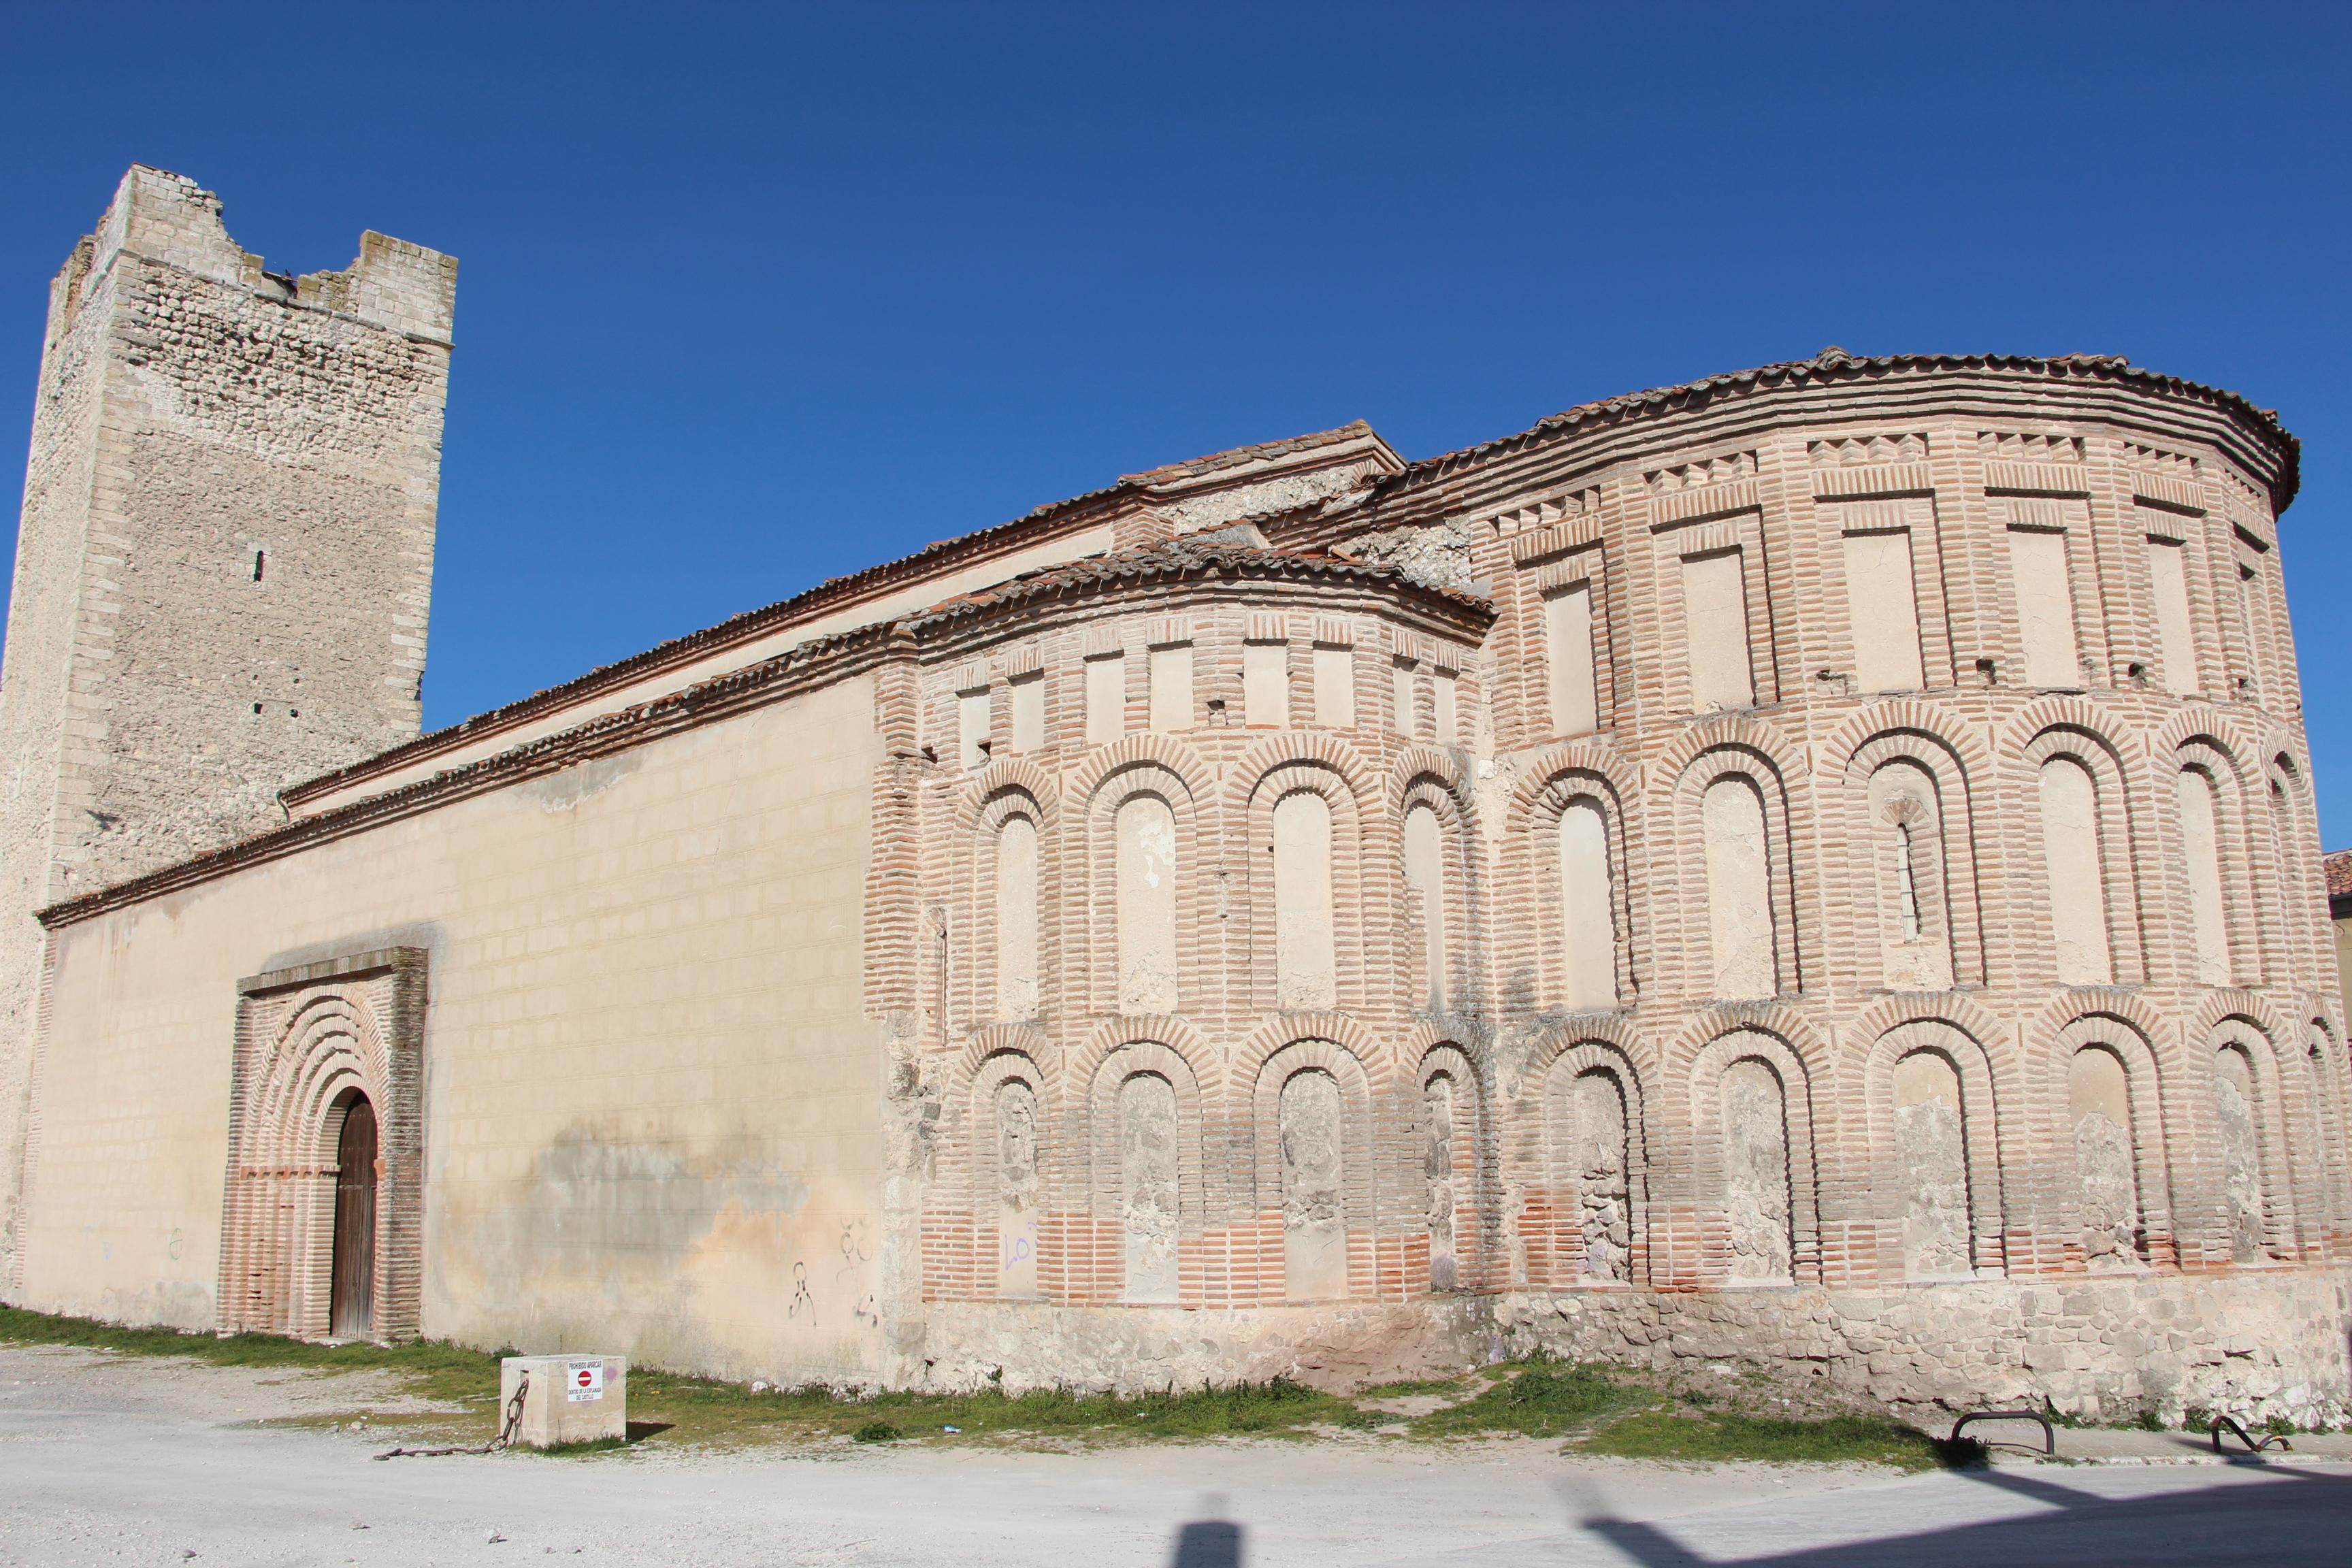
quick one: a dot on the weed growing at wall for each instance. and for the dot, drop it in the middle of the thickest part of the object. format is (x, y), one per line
(1537, 1401)
(1710, 1435)
(718, 1411)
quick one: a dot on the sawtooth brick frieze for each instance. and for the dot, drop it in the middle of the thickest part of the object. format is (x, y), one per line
(1816, 866)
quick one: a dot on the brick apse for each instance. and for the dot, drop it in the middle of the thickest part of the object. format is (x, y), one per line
(1815, 866)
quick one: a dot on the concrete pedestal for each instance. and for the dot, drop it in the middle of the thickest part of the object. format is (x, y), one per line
(572, 1398)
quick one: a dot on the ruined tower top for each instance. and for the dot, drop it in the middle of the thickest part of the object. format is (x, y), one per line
(160, 217)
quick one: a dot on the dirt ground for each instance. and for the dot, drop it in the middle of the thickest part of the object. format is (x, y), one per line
(118, 1460)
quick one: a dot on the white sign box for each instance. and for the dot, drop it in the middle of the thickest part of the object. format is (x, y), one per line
(568, 1398)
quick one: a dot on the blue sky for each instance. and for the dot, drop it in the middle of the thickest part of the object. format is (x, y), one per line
(750, 297)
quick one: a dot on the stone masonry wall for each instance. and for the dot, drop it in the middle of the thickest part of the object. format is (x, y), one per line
(225, 557)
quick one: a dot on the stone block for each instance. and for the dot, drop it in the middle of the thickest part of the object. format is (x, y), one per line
(569, 1399)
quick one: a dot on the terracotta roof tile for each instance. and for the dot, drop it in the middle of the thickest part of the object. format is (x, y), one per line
(1182, 558)
(1837, 364)
(1217, 462)
(2339, 865)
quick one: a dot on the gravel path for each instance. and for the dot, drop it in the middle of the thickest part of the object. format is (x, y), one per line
(108, 1459)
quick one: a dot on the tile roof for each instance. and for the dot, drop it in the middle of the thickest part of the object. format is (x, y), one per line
(2338, 864)
(1836, 364)
(1183, 558)
(1239, 456)
(832, 593)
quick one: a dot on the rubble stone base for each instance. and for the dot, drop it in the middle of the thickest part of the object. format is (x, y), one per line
(2254, 1344)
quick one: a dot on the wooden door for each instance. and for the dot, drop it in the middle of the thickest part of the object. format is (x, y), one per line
(353, 1314)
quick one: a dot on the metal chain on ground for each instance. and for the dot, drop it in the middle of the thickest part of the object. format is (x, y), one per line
(2254, 1445)
(505, 1440)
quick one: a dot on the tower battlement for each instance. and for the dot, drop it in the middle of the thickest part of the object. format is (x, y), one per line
(167, 218)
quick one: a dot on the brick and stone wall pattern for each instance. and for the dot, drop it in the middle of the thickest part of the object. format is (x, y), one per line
(1891, 1153)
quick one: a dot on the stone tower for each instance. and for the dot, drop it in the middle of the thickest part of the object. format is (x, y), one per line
(225, 562)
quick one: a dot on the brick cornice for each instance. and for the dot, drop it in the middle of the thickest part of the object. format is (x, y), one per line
(2268, 452)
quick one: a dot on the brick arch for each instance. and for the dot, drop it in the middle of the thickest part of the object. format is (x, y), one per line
(1701, 1074)
(1251, 911)
(1141, 748)
(1415, 1039)
(1087, 881)
(1684, 859)
(2291, 831)
(2123, 1026)
(2208, 750)
(2266, 1014)
(1614, 1031)
(2258, 1041)
(1096, 1272)
(1011, 775)
(2122, 844)
(974, 921)
(1546, 1190)
(1383, 1062)
(1945, 762)
(1960, 1010)
(1359, 1183)
(2322, 1073)
(1908, 715)
(1530, 952)
(1027, 1038)
(1784, 1021)
(988, 813)
(1205, 1065)
(2061, 713)
(1982, 1083)
(2197, 721)
(980, 1181)
(1466, 910)
(306, 1039)
(1472, 1164)
(1416, 762)
(1585, 756)
(1245, 777)
(1728, 732)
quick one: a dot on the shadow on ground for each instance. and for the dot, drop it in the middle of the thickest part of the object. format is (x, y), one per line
(2292, 1517)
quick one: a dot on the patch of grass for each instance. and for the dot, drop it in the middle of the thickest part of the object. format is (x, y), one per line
(1412, 1388)
(1540, 1399)
(432, 1368)
(671, 1407)
(712, 1411)
(876, 1432)
(587, 1446)
(1866, 1439)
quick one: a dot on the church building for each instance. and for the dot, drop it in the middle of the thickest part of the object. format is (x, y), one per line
(1815, 868)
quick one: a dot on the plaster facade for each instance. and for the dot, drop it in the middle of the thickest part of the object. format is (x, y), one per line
(1815, 866)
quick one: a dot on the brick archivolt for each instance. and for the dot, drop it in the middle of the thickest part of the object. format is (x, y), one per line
(1958, 763)
(308, 1041)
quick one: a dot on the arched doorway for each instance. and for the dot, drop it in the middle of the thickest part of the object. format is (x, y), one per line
(353, 1315)
(323, 1227)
